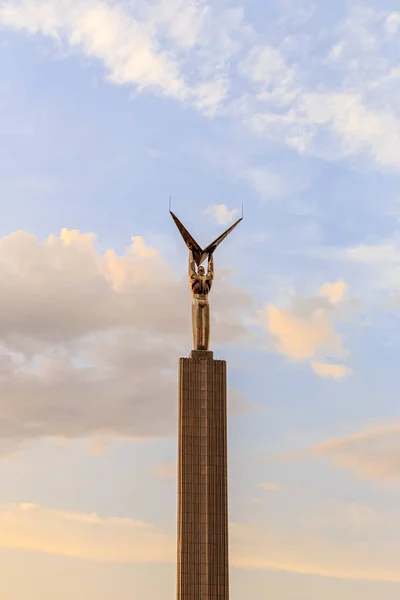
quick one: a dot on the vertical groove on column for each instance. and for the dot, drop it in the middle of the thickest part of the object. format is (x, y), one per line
(202, 570)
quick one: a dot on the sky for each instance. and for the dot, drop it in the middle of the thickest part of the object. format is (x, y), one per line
(108, 108)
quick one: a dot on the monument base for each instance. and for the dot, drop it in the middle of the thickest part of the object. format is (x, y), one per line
(202, 479)
(201, 354)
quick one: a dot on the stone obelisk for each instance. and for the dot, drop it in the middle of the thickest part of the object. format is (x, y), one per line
(202, 562)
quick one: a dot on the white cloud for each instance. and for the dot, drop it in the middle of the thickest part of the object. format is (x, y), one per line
(177, 48)
(381, 259)
(207, 56)
(358, 128)
(366, 39)
(125, 40)
(335, 125)
(330, 370)
(267, 184)
(376, 254)
(358, 116)
(102, 31)
(266, 67)
(372, 454)
(182, 21)
(89, 346)
(221, 213)
(393, 23)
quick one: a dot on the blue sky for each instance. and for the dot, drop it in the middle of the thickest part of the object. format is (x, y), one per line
(107, 109)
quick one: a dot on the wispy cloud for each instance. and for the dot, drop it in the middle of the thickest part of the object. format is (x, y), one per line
(373, 453)
(89, 536)
(126, 39)
(330, 538)
(221, 213)
(82, 535)
(266, 183)
(208, 57)
(381, 261)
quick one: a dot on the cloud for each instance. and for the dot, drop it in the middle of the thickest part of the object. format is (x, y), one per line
(208, 57)
(221, 213)
(329, 538)
(372, 454)
(382, 259)
(393, 23)
(305, 331)
(356, 116)
(82, 535)
(366, 41)
(363, 115)
(271, 486)
(266, 183)
(330, 370)
(358, 128)
(102, 31)
(159, 46)
(335, 125)
(334, 291)
(266, 67)
(301, 338)
(376, 254)
(89, 345)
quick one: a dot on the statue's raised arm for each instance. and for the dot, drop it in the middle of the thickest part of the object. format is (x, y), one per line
(210, 269)
(192, 265)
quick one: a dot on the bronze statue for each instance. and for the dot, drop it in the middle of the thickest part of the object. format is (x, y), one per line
(201, 282)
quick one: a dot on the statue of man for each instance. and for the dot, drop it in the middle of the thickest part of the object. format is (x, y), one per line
(201, 283)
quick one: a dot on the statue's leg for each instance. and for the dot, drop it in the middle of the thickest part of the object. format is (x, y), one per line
(206, 326)
(195, 324)
(201, 326)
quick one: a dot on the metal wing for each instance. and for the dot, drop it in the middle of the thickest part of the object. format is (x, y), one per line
(198, 253)
(212, 247)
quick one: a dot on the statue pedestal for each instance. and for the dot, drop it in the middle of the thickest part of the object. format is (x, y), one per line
(201, 354)
(203, 572)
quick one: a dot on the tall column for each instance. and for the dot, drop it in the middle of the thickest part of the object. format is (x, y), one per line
(202, 479)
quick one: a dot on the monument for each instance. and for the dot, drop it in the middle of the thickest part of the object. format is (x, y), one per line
(202, 561)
